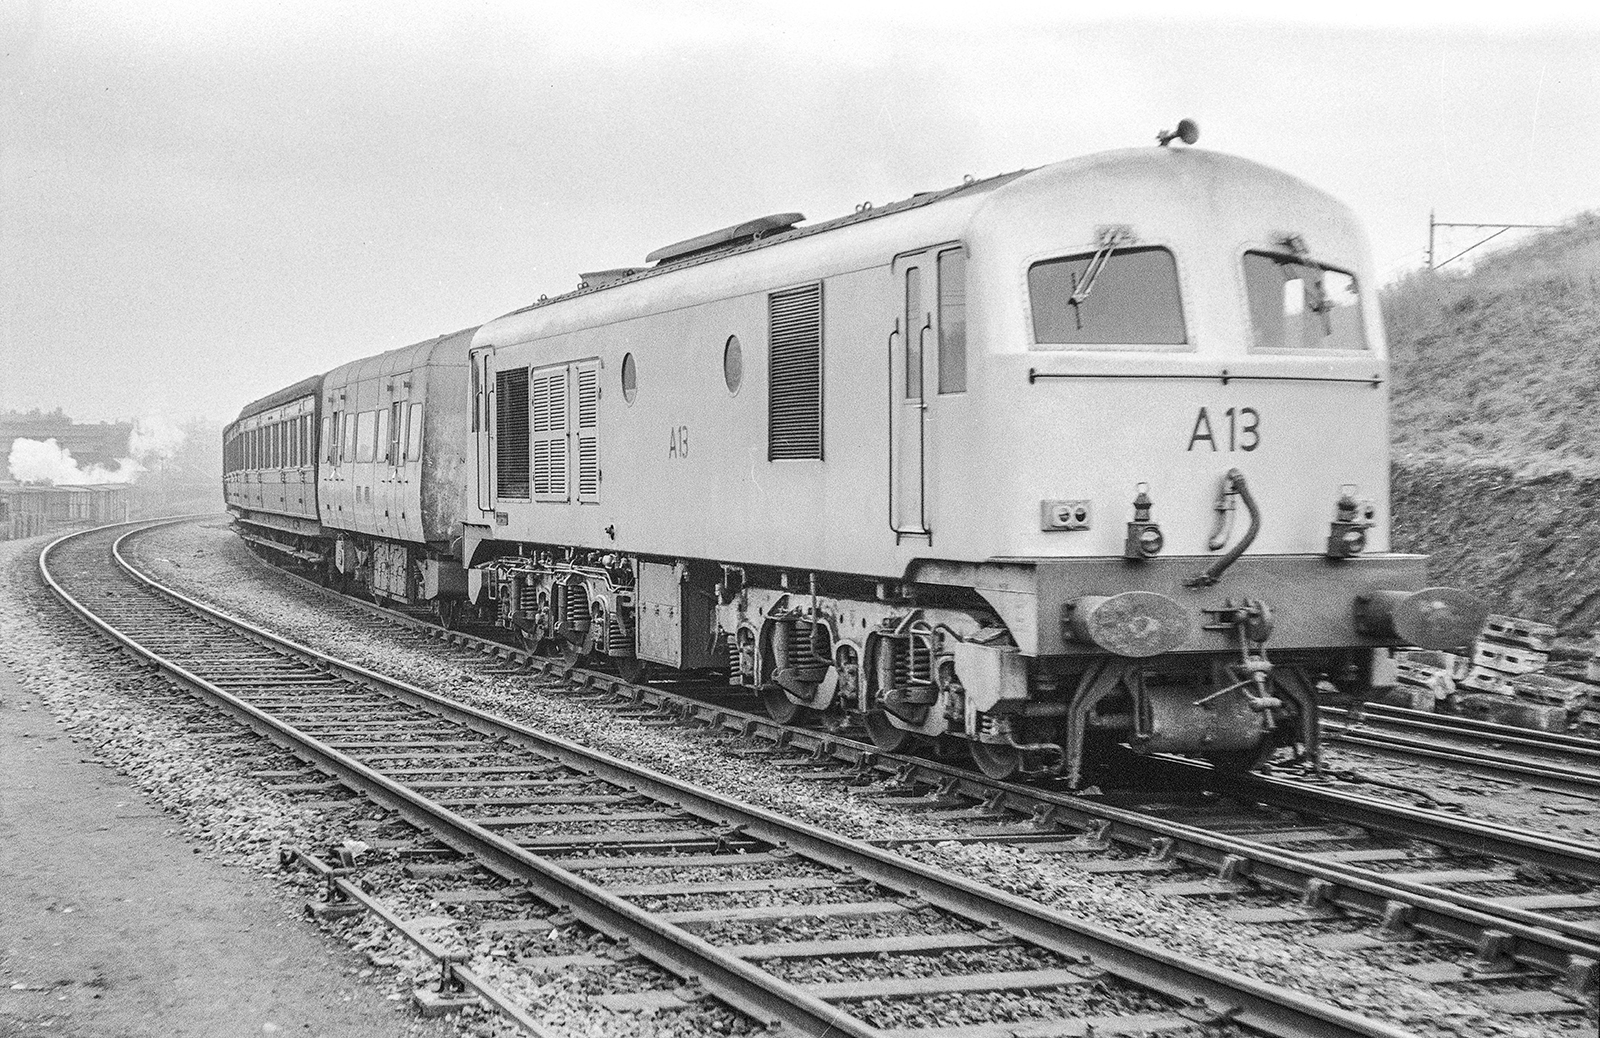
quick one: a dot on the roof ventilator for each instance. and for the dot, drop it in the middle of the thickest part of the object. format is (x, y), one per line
(725, 238)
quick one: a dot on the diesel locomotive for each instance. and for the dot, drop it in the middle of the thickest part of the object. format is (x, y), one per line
(1086, 456)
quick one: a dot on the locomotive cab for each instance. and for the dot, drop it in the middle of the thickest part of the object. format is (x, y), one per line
(1180, 362)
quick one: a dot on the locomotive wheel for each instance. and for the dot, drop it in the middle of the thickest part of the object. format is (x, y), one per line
(632, 670)
(996, 760)
(780, 707)
(885, 735)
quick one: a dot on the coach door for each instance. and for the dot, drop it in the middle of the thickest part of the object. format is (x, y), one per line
(909, 392)
(483, 424)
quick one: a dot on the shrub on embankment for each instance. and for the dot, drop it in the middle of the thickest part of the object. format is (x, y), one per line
(1496, 424)
(1501, 363)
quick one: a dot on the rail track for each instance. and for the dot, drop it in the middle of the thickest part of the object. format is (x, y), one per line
(1523, 906)
(1551, 761)
(537, 833)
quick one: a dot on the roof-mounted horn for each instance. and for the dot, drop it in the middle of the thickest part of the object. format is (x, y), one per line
(1188, 132)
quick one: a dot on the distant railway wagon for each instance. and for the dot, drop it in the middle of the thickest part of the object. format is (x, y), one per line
(1080, 457)
(27, 509)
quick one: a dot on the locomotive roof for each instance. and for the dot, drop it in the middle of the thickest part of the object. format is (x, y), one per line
(1135, 163)
(310, 386)
(1140, 187)
(695, 257)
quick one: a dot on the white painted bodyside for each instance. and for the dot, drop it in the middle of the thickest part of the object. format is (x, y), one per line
(684, 466)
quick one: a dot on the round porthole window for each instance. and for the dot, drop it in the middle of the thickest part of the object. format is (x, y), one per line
(732, 364)
(630, 378)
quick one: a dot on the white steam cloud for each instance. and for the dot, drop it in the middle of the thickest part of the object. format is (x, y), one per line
(154, 439)
(46, 461)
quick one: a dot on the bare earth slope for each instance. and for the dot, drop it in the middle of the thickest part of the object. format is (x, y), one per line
(1496, 425)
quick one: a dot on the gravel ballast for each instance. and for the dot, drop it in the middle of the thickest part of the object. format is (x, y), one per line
(206, 560)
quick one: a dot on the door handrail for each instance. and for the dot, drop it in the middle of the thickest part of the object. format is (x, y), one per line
(894, 456)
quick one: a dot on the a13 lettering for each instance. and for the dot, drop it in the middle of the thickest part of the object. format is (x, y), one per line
(1243, 431)
(678, 442)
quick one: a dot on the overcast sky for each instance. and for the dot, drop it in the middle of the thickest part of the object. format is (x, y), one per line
(200, 202)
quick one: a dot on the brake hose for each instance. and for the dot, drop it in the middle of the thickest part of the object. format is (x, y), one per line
(1232, 483)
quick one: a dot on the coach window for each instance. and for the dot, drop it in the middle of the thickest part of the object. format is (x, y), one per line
(1300, 306)
(347, 439)
(396, 428)
(952, 269)
(414, 434)
(1110, 297)
(367, 436)
(630, 378)
(330, 439)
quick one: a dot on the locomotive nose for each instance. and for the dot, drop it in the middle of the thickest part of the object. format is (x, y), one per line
(1433, 618)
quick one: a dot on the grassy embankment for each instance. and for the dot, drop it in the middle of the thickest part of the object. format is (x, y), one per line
(1496, 424)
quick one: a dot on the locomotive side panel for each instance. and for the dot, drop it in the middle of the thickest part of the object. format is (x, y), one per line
(683, 465)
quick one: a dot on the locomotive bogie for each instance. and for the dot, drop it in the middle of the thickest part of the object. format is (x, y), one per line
(574, 603)
(868, 658)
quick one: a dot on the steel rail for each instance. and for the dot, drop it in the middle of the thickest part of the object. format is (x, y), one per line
(741, 985)
(1244, 1000)
(451, 964)
(1489, 731)
(1547, 943)
(1493, 766)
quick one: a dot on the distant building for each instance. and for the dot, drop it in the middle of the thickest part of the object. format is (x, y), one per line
(91, 443)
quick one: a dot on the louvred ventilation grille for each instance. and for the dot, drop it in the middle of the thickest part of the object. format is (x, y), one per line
(511, 433)
(794, 378)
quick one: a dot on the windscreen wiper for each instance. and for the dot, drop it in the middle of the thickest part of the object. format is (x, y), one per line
(1317, 300)
(1110, 238)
